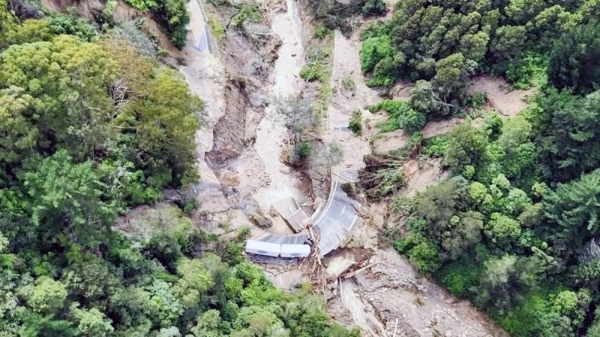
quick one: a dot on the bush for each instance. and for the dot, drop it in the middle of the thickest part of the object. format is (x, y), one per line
(166, 249)
(216, 27)
(174, 16)
(422, 252)
(315, 69)
(130, 32)
(528, 70)
(246, 12)
(190, 205)
(460, 276)
(142, 5)
(72, 25)
(401, 116)
(436, 147)
(321, 31)
(303, 150)
(355, 124)
(374, 50)
(375, 29)
(478, 100)
(373, 7)
(575, 60)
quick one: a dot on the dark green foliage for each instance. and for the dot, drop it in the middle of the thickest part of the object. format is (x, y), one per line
(442, 43)
(594, 329)
(421, 252)
(511, 230)
(548, 313)
(90, 129)
(355, 124)
(172, 14)
(374, 50)
(68, 196)
(373, 7)
(530, 69)
(303, 150)
(375, 29)
(436, 146)
(337, 15)
(461, 276)
(401, 116)
(499, 245)
(575, 60)
(478, 100)
(567, 134)
(466, 146)
(321, 32)
(72, 25)
(443, 209)
(165, 249)
(505, 280)
(574, 209)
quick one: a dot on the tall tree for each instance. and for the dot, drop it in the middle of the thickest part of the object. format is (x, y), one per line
(575, 60)
(573, 210)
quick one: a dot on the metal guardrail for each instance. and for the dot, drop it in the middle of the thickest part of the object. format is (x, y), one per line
(203, 11)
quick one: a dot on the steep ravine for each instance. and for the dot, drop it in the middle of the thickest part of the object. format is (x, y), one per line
(239, 151)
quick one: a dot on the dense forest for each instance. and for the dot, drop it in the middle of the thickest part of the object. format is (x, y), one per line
(92, 125)
(515, 228)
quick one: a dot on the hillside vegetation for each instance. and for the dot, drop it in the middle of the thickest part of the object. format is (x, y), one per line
(93, 125)
(515, 229)
(440, 44)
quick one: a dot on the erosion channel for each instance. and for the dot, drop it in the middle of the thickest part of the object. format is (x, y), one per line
(245, 155)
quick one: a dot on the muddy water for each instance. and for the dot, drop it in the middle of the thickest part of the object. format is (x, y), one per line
(271, 134)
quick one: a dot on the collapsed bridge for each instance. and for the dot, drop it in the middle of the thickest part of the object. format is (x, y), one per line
(331, 226)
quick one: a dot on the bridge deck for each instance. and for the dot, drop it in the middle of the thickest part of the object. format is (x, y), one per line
(337, 219)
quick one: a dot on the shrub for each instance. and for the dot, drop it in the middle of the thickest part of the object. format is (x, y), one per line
(478, 100)
(528, 70)
(303, 150)
(142, 5)
(109, 10)
(315, 69)
(374, 50)
(216, 27)
(436, 147)
(130, 32)
(460, 276)
(166, 249)
(422, 252)
(174, 16)
(321, 31)
(375, 29)
(190, 205)
(355, 124)
(373, 7)
(70, 24)
(246, 12)
(401, 116)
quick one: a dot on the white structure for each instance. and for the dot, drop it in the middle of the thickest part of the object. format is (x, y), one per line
(263, 248)
(295, 251)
